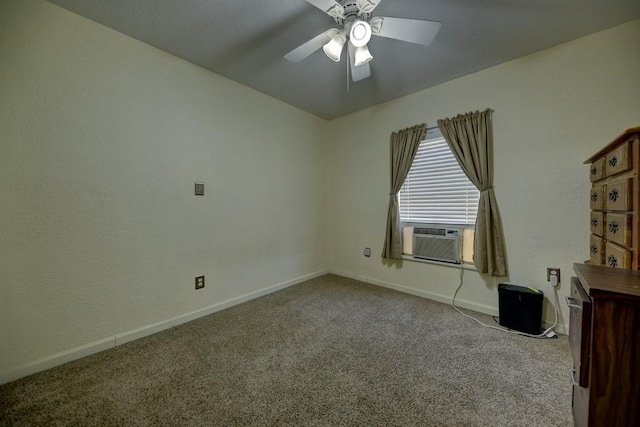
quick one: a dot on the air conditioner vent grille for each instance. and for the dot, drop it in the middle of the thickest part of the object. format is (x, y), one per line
(444, 244)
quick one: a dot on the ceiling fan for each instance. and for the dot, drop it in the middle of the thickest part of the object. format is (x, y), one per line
(355, 27)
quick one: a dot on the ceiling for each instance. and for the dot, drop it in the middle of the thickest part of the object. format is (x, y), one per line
(245, 40)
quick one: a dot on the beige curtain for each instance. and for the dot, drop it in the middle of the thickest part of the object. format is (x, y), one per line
(404, 146)
(470, 137)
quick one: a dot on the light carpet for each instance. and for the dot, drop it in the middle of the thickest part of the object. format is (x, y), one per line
(329, 351)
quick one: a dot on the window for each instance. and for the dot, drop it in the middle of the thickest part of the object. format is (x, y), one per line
(438, 204)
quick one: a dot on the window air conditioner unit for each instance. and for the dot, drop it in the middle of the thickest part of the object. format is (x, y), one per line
(437, 243)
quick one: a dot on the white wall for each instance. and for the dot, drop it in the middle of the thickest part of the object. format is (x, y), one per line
(101, 140)
(553, 109)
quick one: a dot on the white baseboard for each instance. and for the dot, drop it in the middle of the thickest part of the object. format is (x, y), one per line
(128, 336)
(57, 359)
(135, 334)
(470, 305)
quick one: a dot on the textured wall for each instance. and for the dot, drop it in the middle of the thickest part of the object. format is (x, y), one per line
(101, 140)
(553, 109)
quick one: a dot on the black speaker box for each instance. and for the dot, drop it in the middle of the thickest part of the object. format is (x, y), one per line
(520, 308)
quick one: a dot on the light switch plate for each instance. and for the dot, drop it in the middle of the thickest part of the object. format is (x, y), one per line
(199, 188)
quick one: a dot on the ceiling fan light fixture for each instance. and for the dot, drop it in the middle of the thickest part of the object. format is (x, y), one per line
(361, 56)
(360, 33)
(333, 49)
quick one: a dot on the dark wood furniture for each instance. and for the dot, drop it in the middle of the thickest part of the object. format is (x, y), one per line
(615, 202)
(604, 336)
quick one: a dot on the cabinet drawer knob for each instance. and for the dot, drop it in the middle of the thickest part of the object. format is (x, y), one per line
(613, 161)
(612, 261)
(613, 195)
(594, 197)
(613, 227)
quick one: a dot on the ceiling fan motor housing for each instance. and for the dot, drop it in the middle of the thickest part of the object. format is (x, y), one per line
(351, 13)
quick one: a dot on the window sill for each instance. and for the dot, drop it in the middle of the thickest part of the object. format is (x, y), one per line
(466, 266)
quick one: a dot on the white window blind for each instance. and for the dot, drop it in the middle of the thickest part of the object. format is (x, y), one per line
(436, 189)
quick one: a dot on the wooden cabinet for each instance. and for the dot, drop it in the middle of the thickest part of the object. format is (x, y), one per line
(604, 336)
(615, 202)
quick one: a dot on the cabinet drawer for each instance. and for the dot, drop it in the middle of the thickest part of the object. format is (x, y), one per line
(616, 256)
(618, 195)
(596, 250)
(619, 160)
(579, 331)
(597, 170)
(597, 198)
(618, 228)
(597, 223)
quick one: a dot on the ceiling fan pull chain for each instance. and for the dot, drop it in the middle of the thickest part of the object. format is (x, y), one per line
(348, 60)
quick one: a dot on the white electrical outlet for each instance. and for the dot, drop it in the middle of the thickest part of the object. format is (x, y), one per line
(553, 276)
(199, 282)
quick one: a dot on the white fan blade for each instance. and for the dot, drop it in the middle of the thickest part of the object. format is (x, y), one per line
(408, 30)
(306, 49)
(330, 7)
(360, 72)
(367, 6)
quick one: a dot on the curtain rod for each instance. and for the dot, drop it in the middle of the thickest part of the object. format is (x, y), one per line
(431, 129)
